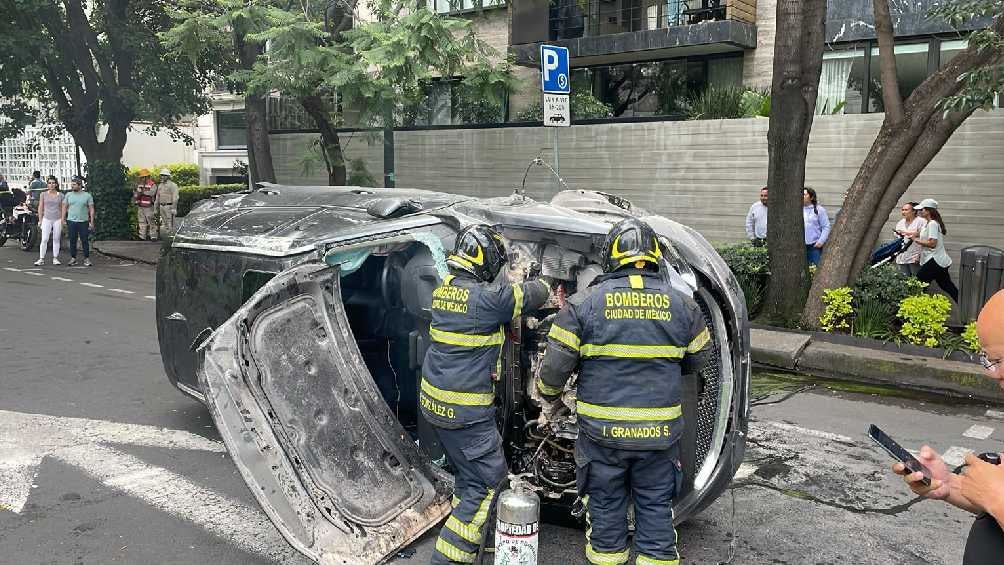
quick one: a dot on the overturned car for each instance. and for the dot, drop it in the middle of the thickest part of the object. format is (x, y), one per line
(300, 317)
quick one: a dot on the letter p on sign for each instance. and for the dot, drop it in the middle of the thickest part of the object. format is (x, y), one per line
(554, 77)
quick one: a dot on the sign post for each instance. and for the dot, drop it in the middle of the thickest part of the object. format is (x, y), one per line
(555, 85)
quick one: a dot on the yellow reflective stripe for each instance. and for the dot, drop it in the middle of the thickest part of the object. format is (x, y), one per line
(452, 553)
(455, 501)
(601, 558)
(461, 260)
(517, 295)
(564, 336)
(636, 281)
(548, 390)
(472, 532)
(448, 279)
(642, 560)
(466, 340)
(632, 351)
(699, 342)
(628, 414)
(636, 258)
(460, 398)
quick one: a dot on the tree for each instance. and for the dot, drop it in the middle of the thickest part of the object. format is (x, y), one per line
(213, 35)
(912, 134)
(95, 63)
(798, 62)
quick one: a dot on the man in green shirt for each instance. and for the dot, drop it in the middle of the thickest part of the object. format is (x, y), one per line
(78, 213)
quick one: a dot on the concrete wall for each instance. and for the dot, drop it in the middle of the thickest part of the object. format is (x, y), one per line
(702, 173)
(758, 63)
(296, 163)
(143, 149)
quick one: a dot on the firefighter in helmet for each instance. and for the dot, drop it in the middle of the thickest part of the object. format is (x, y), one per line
(457, 392)
(632, 338)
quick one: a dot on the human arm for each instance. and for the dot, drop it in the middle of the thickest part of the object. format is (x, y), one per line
(933, 232)
(750, 223)
(562, 355)
(824, 227)
(945, 485)
(90, 211)
(983, 485)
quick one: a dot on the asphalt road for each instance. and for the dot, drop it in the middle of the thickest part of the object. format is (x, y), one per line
(102, 461)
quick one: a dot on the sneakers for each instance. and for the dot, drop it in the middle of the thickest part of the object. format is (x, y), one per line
(87, 262)
(40, 262)
(73, 261)
(56, 261)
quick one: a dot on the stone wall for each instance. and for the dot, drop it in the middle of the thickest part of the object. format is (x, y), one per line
(702, 173)
(758, 63)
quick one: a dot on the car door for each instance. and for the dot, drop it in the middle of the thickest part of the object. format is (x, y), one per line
(309, 431)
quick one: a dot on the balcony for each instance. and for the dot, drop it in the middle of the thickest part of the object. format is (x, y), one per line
(605, 31)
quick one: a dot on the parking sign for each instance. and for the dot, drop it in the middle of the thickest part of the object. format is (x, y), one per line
(554, 77)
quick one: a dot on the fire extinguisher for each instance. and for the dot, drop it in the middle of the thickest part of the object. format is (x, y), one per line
(517, 525)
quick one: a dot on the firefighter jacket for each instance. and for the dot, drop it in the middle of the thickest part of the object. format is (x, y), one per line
(627, 334)
(467, 333)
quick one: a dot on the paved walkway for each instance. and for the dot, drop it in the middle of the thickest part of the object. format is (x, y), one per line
(140, 251)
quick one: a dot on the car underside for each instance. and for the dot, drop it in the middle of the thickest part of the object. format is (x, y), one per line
(300, 316)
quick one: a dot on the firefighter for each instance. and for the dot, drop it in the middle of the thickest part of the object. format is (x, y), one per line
(144, 197)
(631, 337)
(167, 201)
(457, 393)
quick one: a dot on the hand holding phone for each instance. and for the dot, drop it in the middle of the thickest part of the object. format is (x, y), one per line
(898, 453)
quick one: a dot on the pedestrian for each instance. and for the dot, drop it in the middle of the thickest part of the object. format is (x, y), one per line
(631, 337)
(457, 391)
(50, 210)
(817, 226)
(909, 226)
(934, 260)
(756, 221)
(980, 487)
(36, 181)
(144, 196)
(166, 200)
(3, 184)
(79, 217)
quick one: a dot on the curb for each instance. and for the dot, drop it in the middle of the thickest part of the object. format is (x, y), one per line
(791, 351)
(122, 256)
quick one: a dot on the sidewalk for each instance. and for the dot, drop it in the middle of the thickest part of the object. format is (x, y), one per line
(139, 251)
(796, 351)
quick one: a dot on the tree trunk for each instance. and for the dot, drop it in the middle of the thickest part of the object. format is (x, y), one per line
(259, 145)
(331, 146)
(899, 154)
(798, 61)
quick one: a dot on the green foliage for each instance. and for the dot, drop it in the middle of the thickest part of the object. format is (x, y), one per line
(106, 181)
(756, 103)
(359, 175)
(872, 319)
(971, 341)
(885, 287)
(751, 267)
(924, 318)
(183, 174)
(582, 106)
(718, 103)
(982, 83)
(838, 310)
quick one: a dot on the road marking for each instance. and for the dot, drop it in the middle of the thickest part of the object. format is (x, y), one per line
(955, 455)
(12, 269)
(745, 471)
(996, 414)
(810, 432)
(151, 297)
(27, 439)
(122, 291)
(63, 279)
(92, 285)
(977, 431)
(33, 273)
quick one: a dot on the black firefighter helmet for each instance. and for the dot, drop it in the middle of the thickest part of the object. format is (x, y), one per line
(629, 242)
(479, 251)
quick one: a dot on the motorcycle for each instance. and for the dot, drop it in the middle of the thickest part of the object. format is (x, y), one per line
(20, 222)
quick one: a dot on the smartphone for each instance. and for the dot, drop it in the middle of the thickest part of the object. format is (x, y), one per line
(898, 453)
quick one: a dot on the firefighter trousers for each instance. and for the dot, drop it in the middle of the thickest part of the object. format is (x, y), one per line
(475, 453)
(147, 220)
(608, 479)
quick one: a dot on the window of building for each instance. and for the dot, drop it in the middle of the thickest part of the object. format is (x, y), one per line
(841, 84)
(231, 129)
(450, 6)
(911, 70)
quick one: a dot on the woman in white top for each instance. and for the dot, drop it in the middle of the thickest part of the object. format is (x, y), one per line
(50, 210)
(934, 261)
(909, 226)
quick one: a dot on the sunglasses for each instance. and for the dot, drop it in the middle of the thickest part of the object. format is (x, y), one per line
(988, 363)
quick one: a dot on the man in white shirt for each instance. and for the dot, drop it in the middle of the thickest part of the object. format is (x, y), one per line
(756, 221)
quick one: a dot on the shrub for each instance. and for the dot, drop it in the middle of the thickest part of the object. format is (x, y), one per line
(183, 174)
(106, 181)
(885, 285)
(838, 308)
(970, 340)
(718, 103)
(582, 106)
(924, 318)
(871, 319)
(751, 267)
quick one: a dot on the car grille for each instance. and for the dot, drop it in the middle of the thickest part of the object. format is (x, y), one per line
(707, 407)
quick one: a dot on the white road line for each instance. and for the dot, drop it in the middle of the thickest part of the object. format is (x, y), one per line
(92, 285)
(996, 414)
(63, 279)
(121, 291)
(810, 432)
(33, 273)
(955, 455)
(151, 297)
(977, 431)
(12, 269)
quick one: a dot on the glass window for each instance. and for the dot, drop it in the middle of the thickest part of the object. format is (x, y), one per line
(231, 129)
(447, 6)
(911, 70)
(951, 49)
(725, 71)
(841, 84)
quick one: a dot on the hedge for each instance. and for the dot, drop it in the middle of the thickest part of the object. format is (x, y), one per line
(183, 174)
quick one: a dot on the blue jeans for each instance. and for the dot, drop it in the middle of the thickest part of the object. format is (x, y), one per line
(813, 254)
(83, 231)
